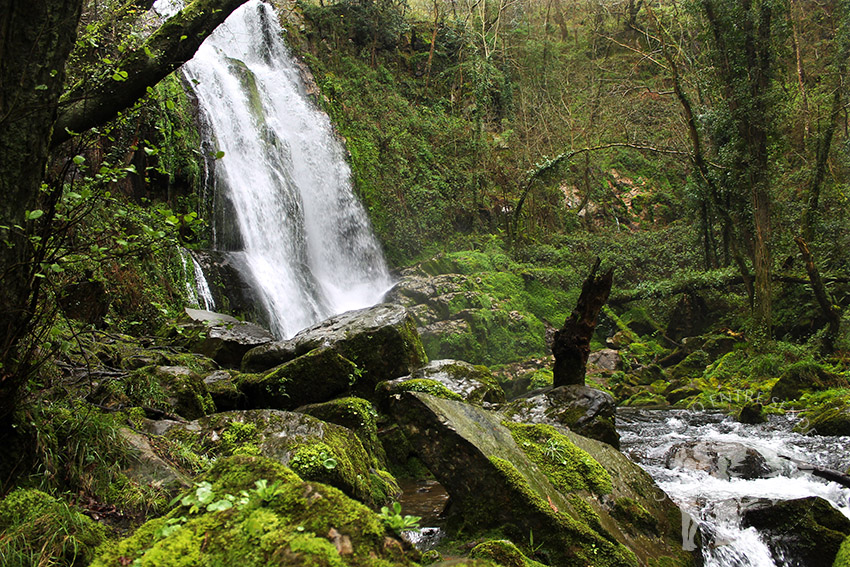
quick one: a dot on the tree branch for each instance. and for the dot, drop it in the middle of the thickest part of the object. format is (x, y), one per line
(99, 99)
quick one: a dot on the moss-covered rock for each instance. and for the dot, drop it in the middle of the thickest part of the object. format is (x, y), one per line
(474, 384)
(382, 341)
(356, 414)
(176, 390)
(281, 521)
(843, 557)
(829, 418)
(805, 531)
(316, 376)
(585, 410)
(317, 450)
(804, 376)
(223, 391)
(541, 480)
(220, 337)
(503, 552)
(37, 529)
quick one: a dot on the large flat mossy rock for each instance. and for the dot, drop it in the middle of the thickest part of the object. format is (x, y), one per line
(843, 557)
(381, 340)
(805, 376)
(584, 410)
(584, 501)
(282, 521)
(830, 418)
(220, 337)
(316, 450)
(317, 376)
(805, 531)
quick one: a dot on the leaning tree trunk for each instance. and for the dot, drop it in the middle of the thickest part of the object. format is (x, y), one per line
(571, 346)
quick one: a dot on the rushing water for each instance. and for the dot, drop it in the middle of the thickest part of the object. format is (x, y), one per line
(650, 437)
(307, 242)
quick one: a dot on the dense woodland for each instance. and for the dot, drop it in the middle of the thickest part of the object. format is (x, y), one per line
(699, 148)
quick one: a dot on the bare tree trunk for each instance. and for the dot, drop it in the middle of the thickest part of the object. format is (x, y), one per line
(833, 317)
(571, 346)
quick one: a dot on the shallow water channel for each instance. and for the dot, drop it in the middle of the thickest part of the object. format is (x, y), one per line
(715, 495)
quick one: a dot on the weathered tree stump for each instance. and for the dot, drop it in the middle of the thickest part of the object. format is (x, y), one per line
(571, 346)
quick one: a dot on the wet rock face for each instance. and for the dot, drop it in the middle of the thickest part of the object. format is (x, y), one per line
(381, 340)
(221, 337)
(806, 532)
(584, 410)
(561, 487)
(720, 460)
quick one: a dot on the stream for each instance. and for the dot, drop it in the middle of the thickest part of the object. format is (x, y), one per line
(654, 439)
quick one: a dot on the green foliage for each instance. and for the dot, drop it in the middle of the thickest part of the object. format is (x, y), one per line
(38, 529)
(393, 519)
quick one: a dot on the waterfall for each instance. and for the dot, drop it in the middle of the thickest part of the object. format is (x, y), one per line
(280, 178)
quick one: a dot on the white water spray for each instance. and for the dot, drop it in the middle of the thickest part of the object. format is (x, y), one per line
(306, 239)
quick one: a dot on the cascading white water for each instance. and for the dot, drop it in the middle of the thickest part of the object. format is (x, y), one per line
(306, 239)
(648, 436)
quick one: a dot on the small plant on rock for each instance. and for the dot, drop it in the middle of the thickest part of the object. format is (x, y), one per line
(396, 522)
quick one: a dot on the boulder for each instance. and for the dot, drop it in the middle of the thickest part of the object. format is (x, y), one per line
(607, 359)
(314, 449)
(381, 340)
(523, 479)
(221, 337)
(752, 414)
(722, 460)
(806, 532)
(317, 376)
(831, 418)
(802, 377)
(584, 410)
(260, 514)
(474, 384)
(223, 391)
(356, 414)
(147, 468)
(843, 557)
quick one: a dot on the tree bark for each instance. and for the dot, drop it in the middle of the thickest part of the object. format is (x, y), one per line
(571, 346)
(36, 37)
(833, 317)
(99, 99)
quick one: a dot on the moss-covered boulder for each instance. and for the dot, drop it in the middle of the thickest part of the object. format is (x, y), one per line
(503, 552)
(534, 478)
(586, 411)
(316, 376)
(223, 391)
(220, 337)
(272, 518)
(804, 376)
(356, 414)
(37, 529)
(829, 418)
(843, 557)
(381, 340)
(474, 384)
(175, 390)
(805, 531)
(316, 450)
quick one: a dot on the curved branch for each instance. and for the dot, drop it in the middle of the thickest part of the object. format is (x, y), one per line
(99, 99)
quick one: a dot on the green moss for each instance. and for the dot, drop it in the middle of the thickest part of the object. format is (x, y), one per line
(38, 529)
(503, 552)
(645, 398)
(356, 414)
(843, 557)
(290, 527)
(631, 513)
(427, 386)
(567, 466)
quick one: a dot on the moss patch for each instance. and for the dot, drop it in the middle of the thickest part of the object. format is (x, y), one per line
(567, 466)
(503, 552)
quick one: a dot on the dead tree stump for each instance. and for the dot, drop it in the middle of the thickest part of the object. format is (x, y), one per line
(571, 346)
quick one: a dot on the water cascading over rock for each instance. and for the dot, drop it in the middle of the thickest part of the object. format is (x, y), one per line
(283, 201)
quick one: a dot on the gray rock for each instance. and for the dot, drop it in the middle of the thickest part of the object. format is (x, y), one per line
(806, 532)
(584, 410)
(722, 460)
(494, 483)
(221, 337)
(147, 468)
(381, 340)
(607, 359)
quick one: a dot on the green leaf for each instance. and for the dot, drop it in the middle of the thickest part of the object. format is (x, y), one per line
(120, 76)
(219, 154)
(169, 104)
(41, 87)
(32, 215)
(79, 160)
